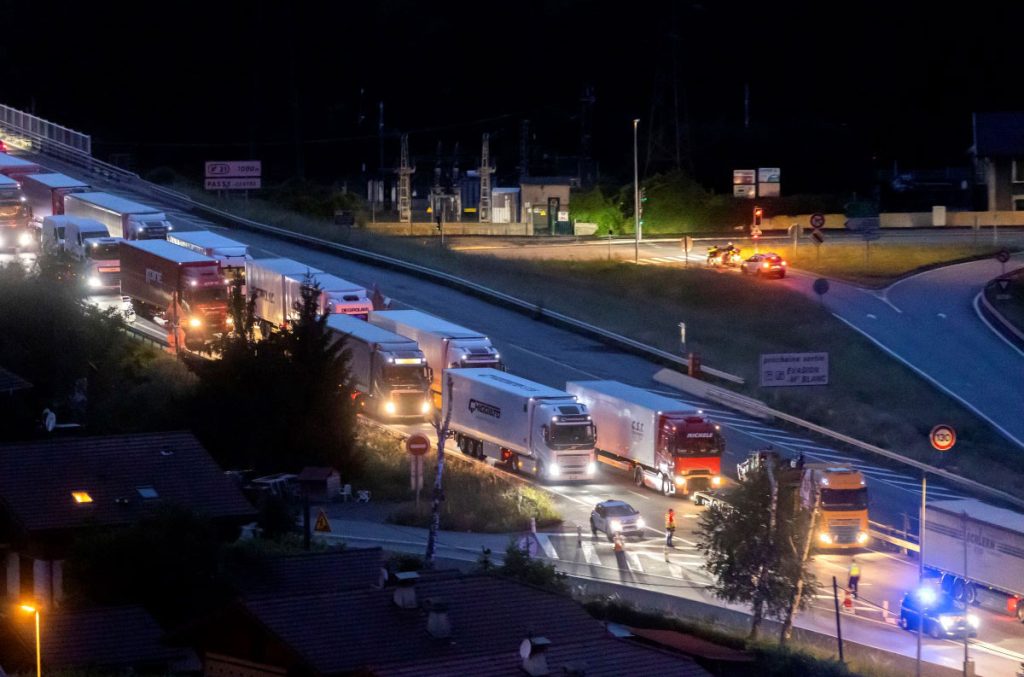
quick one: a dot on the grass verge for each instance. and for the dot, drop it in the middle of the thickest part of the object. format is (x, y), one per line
(730, 322)
(476, 498)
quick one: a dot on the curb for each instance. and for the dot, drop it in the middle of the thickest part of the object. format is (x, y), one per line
(1000, 324)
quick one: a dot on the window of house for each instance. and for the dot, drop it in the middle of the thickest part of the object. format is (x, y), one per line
(147, 492)
(81, 496)
(1017, 170)
(1018, 203)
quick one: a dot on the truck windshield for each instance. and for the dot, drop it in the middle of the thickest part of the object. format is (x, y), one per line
(104, 251)
(572, 435)
(405, 375)
(688, 444)
(209, 294)
(844, 499)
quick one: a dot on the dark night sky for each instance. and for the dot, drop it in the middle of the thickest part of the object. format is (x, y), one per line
(180, 82)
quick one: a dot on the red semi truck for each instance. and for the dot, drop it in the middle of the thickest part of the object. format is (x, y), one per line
(666, 445)
(45, 193)
(176, 285)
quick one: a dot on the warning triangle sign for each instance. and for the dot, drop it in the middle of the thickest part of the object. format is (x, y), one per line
(321, 522)
(1004, 284)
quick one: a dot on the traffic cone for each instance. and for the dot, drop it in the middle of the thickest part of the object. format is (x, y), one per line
(617, 543)
(848, 602)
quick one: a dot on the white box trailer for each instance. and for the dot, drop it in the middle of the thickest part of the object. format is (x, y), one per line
(389, 372)
(986, 568)
(45, 193)
(664, 444)
(529, 426)
(122, 217)
(446, 345)
(232, 255)
(273, 283)
(341, 297)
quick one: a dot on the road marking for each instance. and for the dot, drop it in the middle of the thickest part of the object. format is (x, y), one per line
(545, 543)
(589, 555)
(675, 570)
(942, 315)
(872, 316)
(633, 562)
(977, 311)
(548, 359)
(637, 493)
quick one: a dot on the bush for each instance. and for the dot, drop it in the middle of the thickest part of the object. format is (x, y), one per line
(521, 567)
(593, 207)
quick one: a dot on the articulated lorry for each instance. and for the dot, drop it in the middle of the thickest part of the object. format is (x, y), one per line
(838, 490)
(389, 372)
(978, 550)
(123, 218)
(15, 167)
(528, 426)
(664, 444)
(277, 284)
(176, 286)
(446, 345)
(45, 193)
(15, 232)
(98, 255)
(231, 255)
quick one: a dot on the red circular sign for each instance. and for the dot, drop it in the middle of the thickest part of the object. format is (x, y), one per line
(943, 437)
(1003, 256)
(817, 220)
(417, 444)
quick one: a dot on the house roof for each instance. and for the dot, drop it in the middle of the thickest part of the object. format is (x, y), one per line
(316, 474)
(125, 476)
(317, 572)
(340, 632)
(9, 382)
(999, 134)
(114, 637)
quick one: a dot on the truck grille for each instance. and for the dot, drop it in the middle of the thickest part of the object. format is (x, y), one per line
(844, 533)
(573, 462)
(409, 404)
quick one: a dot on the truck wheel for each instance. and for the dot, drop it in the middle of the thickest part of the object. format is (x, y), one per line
(903, 623)
(934, 631)
(1020, 611)
(958, 589)
(666, 486)
(638, 476)
(970, 594)
(478, 448)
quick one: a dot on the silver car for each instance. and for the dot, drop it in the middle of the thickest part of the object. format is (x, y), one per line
(616, 517)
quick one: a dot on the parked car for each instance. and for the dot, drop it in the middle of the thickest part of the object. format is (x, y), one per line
(764, 264)
(943, 616)
(616, 517)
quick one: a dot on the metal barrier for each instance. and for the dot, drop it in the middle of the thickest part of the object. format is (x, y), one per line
(20, 122)
(906, 542)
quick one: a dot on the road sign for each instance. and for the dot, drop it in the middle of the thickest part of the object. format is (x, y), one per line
(817, 236)
(321, 523)
(223, 170)
(817, 221)
(821, 286)
(1003, 256)
(1003, 283)
(794, 369)
(417, 444)
(943, 437)
(248, 183)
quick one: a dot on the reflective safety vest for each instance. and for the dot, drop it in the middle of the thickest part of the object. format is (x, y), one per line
(670, 520)
(854, 569)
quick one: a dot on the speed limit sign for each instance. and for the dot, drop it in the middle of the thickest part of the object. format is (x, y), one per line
(943, 437)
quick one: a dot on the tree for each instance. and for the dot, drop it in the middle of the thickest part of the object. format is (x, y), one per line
(754, 551)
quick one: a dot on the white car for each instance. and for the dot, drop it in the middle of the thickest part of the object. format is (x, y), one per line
(616, 517)
(764, 264)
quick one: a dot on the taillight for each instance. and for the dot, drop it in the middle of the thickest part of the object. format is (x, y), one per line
(765, 265)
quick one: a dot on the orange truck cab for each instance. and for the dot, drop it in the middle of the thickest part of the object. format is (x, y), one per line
(843, 506)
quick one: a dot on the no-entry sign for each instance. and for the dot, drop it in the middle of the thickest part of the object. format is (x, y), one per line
(943, 437)
(417, 444)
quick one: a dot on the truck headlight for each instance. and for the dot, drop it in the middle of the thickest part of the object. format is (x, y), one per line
(716, 481)
(195, 322)
(389, 408)
(554, 470)
(24, 240)
(680, 480)
(825, 537)
(862, 537)
(973, 621)
(591, 468)
(946, 621)
(640, 523)
(615, 525)
(231, 321)
(425, 407)
(94, 281)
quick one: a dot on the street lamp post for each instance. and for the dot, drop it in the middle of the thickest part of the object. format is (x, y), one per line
(636, 197)
(28, 608)
(920, 567)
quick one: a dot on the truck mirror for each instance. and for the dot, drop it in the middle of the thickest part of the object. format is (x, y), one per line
(544, 431)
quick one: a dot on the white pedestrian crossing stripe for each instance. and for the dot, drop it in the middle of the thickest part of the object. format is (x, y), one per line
(589, 555)
(545, 543)
(633, 562)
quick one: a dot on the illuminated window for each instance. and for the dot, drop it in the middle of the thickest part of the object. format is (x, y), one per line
(147, 492)
(81, 496)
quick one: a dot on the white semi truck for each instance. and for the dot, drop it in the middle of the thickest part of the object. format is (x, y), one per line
(277, 284)
(231, 255)
(528, 426)
(389, 372)
(664, 444)
(123, 218)
(99, 255)
(446, 345)
(986, 568)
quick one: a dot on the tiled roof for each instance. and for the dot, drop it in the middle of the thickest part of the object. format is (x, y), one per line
(102, 638)
(9, 382)
(346, 631)
(312, 573)
(120, 473)
(999, 134)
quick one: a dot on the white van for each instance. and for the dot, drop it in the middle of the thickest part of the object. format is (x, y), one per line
(76, 231)
(52, 236)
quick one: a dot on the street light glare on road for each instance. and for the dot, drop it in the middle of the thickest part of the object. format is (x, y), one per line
(28, 608)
